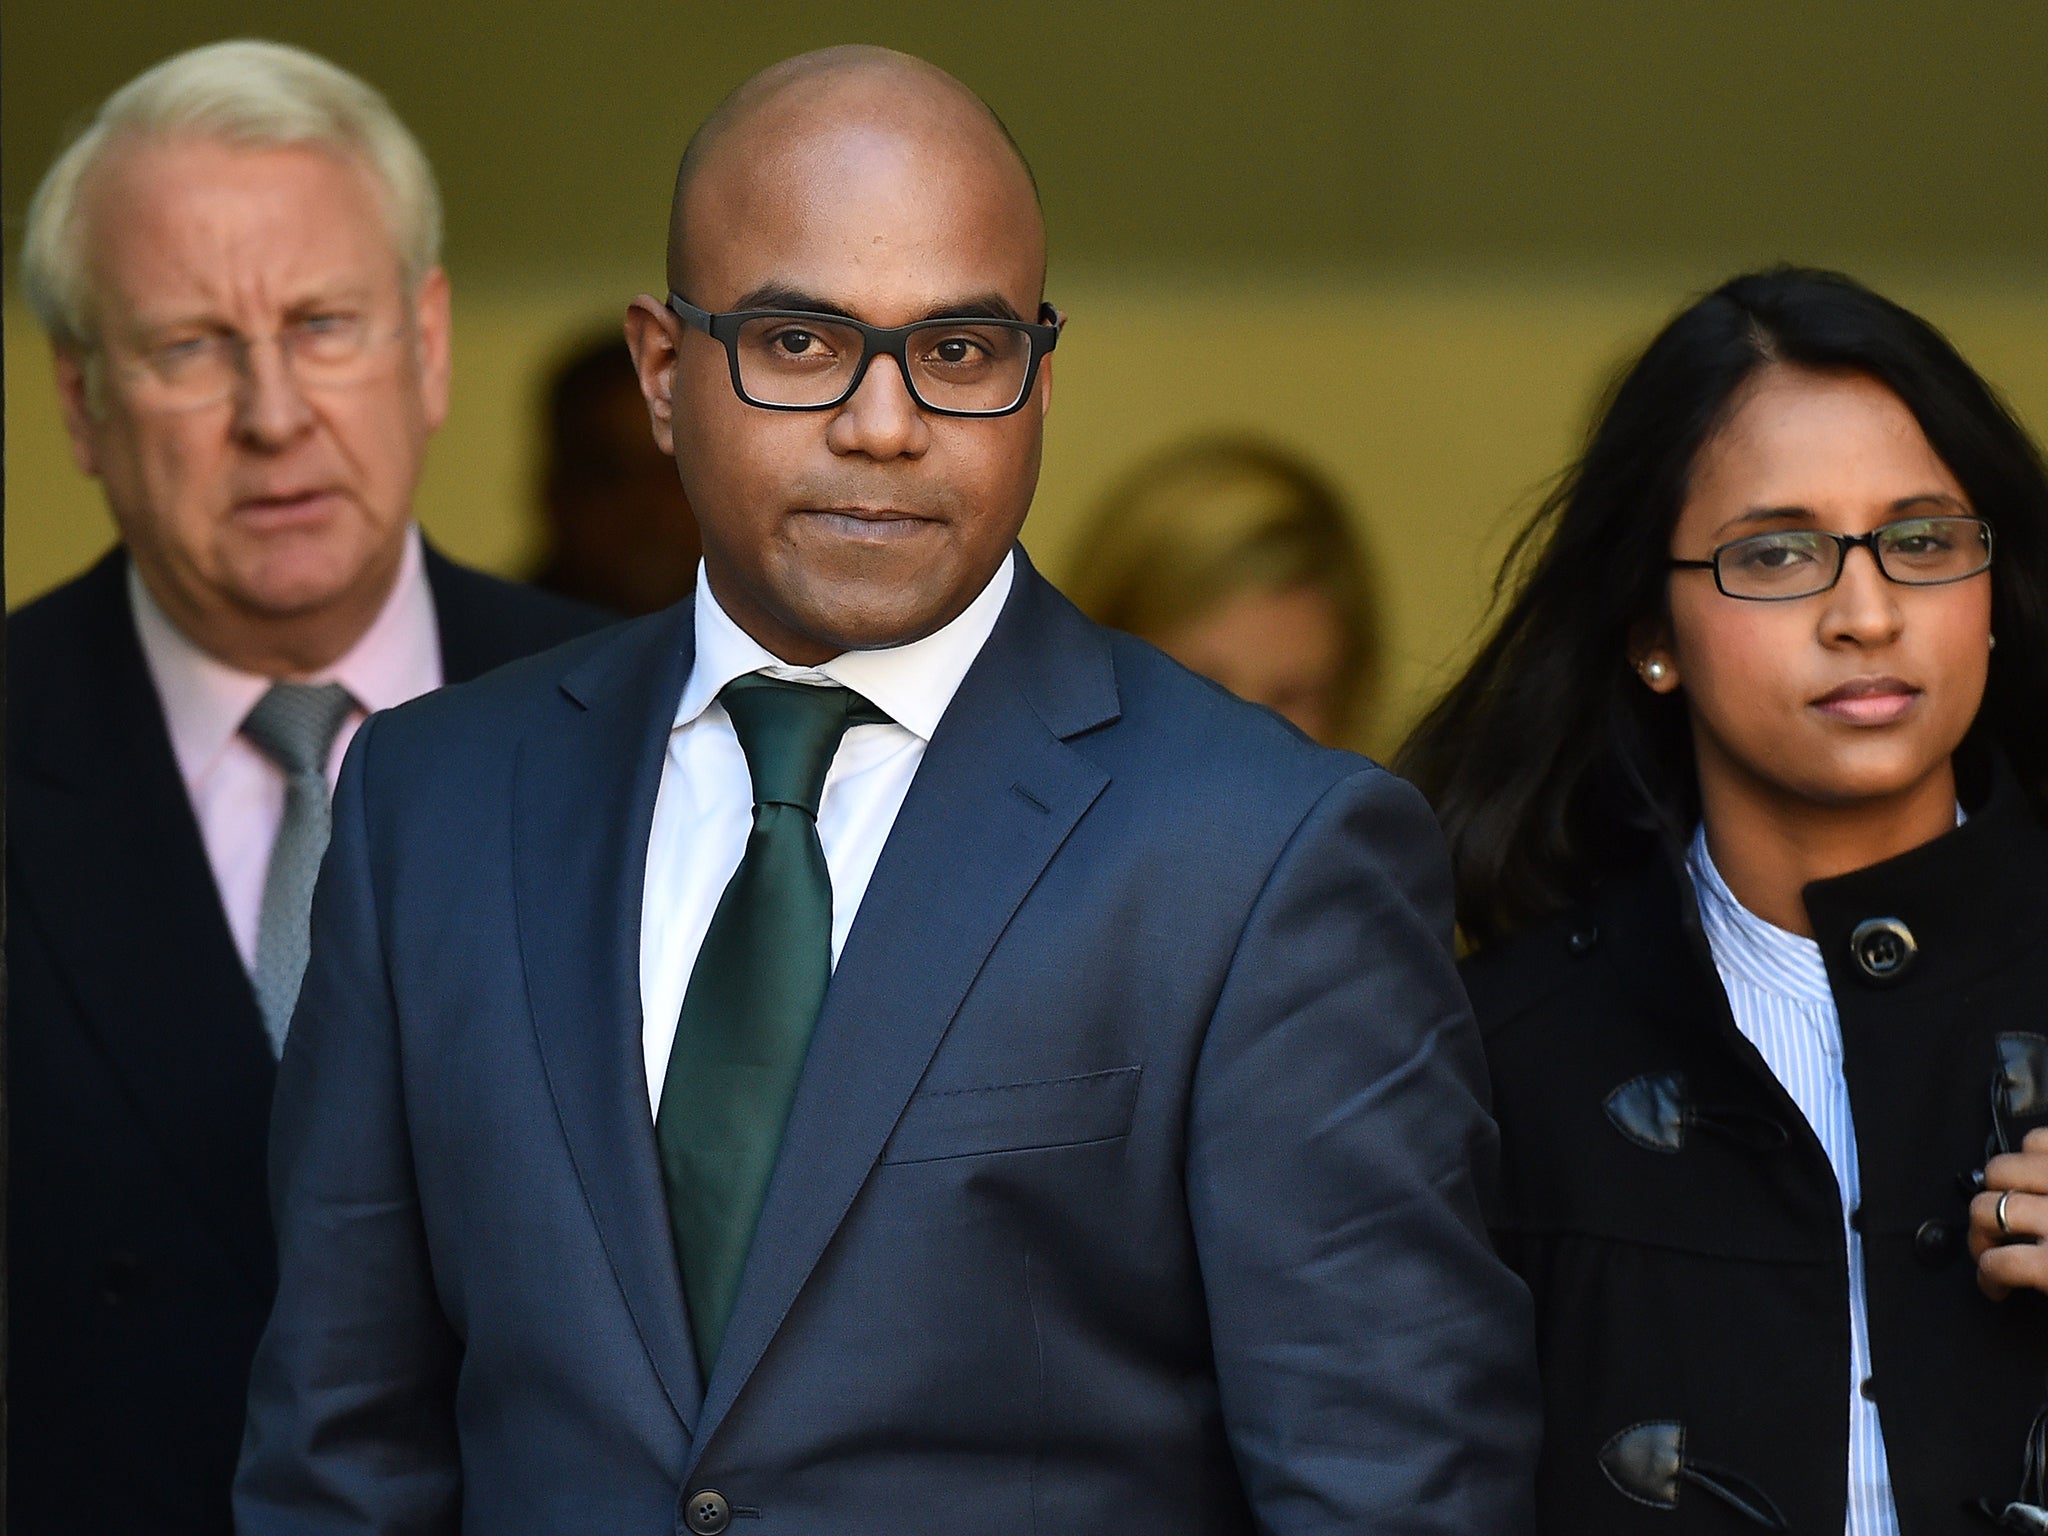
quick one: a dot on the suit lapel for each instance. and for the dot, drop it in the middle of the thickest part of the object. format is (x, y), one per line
(168, 998)
(586, 785)
(998, 792)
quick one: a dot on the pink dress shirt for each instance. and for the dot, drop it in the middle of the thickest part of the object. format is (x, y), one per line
(237, 793)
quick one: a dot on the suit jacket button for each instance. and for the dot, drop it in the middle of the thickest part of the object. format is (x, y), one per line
(1884, 947)
(706, 1513)
(1934, 1243)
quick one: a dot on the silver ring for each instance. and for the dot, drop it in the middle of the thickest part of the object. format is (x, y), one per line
(2003, 1229)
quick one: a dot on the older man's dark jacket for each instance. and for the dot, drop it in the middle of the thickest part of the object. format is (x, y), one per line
(140, 1264)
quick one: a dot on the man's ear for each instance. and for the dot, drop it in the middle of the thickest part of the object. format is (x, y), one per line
(76, 387)
(654, 336)
(1045, 367)
(434, 326)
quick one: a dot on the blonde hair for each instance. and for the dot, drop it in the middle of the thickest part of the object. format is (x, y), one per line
(1208, 519)
(246, 93)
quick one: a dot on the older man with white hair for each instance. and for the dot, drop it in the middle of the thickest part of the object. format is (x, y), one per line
(238, 265)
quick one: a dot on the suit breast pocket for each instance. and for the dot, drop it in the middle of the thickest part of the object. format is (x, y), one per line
(1015, 1117)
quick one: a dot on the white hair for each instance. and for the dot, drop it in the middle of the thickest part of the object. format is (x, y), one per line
(255, 94)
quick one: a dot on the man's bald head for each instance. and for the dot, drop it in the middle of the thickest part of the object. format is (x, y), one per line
(791, 111)
(854, 184)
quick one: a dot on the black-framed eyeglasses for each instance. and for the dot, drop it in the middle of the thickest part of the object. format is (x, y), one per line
(796, 360)
(1801, 562)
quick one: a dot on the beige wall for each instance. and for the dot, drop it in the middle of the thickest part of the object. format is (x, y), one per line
(1440, 408)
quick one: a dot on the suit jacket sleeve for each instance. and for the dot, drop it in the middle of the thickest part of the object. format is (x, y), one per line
(351, 1411)
(1376, 1360)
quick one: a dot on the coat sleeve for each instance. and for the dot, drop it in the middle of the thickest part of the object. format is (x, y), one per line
(1376, 1360)
(351, 1407)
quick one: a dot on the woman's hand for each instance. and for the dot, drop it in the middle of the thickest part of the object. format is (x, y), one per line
(2014, 1256)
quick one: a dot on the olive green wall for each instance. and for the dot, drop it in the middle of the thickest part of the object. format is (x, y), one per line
(1413, 241)
(1697, 133)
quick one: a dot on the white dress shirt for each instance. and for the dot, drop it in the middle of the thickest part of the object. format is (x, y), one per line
(237, 793)
(1778, 990)
(704, 809)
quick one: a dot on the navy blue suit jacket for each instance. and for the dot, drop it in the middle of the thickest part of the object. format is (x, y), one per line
(1129, 1186)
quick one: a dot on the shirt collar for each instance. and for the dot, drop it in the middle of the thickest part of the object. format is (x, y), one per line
(205, 700)
(912, 684)
(1744, 946)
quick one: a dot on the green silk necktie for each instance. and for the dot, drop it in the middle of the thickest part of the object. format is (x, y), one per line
(753, 997)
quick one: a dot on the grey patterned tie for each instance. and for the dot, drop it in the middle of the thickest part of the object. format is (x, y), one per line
(293, 725)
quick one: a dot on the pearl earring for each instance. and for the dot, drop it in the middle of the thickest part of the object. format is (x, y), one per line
(1654, 672)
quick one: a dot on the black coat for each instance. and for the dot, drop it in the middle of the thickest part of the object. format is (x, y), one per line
(1681, 1229)
(139, 1078)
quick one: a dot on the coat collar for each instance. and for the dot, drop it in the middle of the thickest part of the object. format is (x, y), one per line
(105, 747)
(1972, 899)
(1973, 895)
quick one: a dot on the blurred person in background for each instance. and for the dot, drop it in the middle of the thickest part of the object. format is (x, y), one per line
(1744, 795)
(237, 265)
(1241, 562)
(619, 530)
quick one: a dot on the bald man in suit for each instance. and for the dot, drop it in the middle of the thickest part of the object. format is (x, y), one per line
(869, 1050)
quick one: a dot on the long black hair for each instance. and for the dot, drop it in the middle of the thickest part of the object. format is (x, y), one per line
(1548, 762)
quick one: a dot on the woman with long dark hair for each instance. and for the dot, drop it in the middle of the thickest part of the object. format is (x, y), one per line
(1744, 794)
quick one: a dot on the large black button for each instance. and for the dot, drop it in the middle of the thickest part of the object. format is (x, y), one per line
(706, 1512)
(1647, 1462)
(1582, 939)
(1868, 1387)
(1884, 947)
(1934, 1243)
(1651, 1111)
